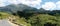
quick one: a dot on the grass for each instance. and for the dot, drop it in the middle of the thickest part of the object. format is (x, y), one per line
(21, 21)
(4, 15)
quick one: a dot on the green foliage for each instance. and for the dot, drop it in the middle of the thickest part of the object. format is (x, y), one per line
(27, 17)
(22, 22)
(4, 15)
(58, 18)
(41, 19)
(34, 20)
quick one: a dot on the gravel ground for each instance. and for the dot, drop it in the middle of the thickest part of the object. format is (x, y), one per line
(6, 23)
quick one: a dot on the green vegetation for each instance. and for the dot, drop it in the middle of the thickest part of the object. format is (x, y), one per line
(4, 15)
(41, 19)
(18, 21)
(22, 22)
(34, 20)
(29, 16)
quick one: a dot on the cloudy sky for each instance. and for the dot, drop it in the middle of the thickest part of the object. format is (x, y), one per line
(46, 4)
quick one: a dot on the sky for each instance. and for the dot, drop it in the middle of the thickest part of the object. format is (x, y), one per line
(45, 4)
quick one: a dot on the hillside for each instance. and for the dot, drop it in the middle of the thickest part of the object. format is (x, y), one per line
(29, 16)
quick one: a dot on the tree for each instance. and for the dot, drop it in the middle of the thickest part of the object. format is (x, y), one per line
(41, 19)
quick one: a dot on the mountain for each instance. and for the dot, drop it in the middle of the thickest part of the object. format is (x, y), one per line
(14, 8)
(3, 9)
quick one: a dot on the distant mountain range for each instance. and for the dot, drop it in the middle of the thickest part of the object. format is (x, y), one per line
(12, 8)
(15, 8)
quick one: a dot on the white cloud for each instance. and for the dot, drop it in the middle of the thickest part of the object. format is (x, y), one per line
(2, 3)
(32, 3)
(58, 5)
(36, 3)
(49, 6)
(13, 1)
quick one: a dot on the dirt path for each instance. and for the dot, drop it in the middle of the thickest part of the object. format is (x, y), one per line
(6, 23)
(12, 24)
